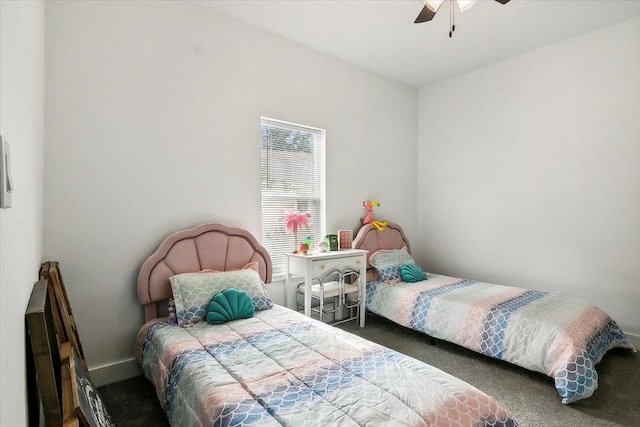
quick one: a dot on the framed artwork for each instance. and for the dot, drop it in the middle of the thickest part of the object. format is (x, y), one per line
(43, 359)
(48, 379)
(86, 399)
(63, 314)
(345, 238)
(332, 239)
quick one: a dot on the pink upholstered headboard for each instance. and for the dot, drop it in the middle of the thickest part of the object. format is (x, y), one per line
(392, 237)
(207, 246)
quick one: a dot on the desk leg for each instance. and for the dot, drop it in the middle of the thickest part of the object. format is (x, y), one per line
(287, 283)
(362, 282)
(307, 295)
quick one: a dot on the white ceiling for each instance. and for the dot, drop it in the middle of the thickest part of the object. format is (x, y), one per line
(380, 36)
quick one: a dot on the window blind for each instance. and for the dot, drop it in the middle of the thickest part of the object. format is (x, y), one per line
(292, 169)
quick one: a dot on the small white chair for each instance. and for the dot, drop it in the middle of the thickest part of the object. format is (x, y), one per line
(333, 286)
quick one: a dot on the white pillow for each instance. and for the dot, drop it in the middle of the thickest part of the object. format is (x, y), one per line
(388, 263)
(192, 292)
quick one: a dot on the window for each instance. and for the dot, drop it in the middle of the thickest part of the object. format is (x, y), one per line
(292, 178)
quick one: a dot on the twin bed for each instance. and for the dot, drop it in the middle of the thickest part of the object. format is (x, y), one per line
(545, 332)
(278, 367)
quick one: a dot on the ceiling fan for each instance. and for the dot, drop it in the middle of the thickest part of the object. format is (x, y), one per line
(431, 7)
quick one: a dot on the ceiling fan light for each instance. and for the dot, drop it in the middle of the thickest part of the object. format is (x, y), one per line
(433, 5)
(465, 4)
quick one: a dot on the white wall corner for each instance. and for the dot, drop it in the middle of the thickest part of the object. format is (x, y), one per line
(114, 372)
(634, 339)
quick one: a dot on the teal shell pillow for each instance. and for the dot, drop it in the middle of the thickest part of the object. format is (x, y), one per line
(230, 304)
(192, 292)
(411, 273)
(388, 263)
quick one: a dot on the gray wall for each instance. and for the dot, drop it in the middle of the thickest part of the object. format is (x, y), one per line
(528, 172)
(22, 225)
(153, 124)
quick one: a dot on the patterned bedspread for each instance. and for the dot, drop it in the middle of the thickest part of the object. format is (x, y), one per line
(282, 368)
(546, 332)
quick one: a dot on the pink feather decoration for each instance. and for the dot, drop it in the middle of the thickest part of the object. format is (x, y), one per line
(296, 220)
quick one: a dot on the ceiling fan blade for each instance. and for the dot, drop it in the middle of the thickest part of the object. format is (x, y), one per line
(503, 1)
(425, 15)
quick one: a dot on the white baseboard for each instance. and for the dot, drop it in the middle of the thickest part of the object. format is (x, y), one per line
(113, 372)
(634, 339)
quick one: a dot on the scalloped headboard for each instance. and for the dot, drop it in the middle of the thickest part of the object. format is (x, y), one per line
(371, 239)
(208, 246)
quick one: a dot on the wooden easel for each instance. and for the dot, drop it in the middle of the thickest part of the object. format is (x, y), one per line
(57, 374)
(47, 380)
(63, 315)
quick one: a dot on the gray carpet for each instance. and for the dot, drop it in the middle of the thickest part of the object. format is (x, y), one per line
(530, 397)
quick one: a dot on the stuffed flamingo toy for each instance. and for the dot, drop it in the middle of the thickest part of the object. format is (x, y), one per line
(369, 205)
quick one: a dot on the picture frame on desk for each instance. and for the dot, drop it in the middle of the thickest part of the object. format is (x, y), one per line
(345, 238)
(332, 240)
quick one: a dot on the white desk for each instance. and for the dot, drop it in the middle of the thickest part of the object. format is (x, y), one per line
(316, 264)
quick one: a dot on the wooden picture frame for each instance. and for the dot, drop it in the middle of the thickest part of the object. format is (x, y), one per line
(345, 239)
(332, 240)
(63, 313)
(57, 374)
(47, 380)
(87, 402)
(43, 359)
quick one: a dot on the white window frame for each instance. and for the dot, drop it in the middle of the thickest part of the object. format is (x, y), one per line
(278, 247)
